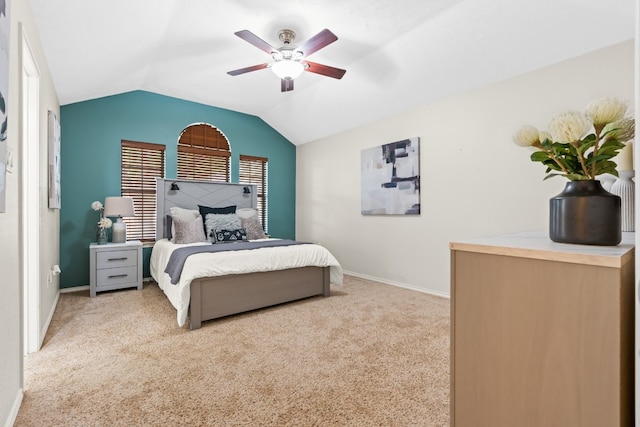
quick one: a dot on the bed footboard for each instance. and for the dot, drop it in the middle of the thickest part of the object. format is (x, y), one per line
(214, 297)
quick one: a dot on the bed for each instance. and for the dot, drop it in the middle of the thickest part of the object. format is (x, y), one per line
(217, 284)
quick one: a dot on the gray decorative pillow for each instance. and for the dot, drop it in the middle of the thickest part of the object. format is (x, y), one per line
(176, 212)
(188, 231)
(214, 222)
(253, 228)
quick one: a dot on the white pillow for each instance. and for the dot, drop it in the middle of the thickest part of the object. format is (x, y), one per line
(246, 212)
(186, 215)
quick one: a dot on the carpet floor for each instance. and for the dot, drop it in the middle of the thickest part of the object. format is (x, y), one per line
(369, 355)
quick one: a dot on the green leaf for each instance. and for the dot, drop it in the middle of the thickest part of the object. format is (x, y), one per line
(612, 143)
(606, 167)
(546, 144)
(551, 175)
(598, 158)
(539, 156)
(586, 145)
(573, 151)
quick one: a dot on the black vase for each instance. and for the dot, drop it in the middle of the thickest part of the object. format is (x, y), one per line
(585, 214)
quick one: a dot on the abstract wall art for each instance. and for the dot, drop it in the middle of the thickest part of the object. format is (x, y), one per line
(54, 161)
(390, 176)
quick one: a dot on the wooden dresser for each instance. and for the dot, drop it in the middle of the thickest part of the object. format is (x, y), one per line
(542, 333)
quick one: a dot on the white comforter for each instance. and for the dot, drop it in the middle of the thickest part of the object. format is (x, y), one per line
(233, 262)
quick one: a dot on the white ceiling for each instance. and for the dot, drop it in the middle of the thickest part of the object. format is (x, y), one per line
(398, 54)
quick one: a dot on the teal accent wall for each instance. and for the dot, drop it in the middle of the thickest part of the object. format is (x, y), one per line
(90, 162)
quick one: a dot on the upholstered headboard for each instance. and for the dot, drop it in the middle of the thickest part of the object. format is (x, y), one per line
(193, 193)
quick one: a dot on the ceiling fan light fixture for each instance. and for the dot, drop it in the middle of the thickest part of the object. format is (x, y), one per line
(287, 69)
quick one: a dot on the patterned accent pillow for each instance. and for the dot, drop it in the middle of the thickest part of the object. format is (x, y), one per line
(215, 222)
(253, 227)
(188, 231)
(226, 236)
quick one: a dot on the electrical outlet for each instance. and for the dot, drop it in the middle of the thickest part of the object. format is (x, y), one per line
(55, 270)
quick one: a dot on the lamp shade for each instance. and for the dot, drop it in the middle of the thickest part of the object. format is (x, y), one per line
(287, 69)
(118, 206)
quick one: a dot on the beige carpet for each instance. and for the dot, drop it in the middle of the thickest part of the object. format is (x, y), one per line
(369, 355)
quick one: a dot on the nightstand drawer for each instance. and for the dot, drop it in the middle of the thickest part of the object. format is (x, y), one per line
(111, 259)
(115, 266)
(116, 276)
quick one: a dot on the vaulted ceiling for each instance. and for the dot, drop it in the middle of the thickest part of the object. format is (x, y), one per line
(398, 54)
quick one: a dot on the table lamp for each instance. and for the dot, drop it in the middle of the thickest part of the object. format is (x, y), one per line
(119, 206)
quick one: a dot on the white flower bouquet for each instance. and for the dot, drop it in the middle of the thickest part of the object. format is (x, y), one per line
(103, 222)
(580, 146)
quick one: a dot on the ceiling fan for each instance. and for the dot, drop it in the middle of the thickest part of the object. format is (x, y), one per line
(289, 61)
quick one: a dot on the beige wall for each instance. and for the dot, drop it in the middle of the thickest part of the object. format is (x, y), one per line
(11, 365)
(474, 180)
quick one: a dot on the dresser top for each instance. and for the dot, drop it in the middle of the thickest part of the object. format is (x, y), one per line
(537, 245)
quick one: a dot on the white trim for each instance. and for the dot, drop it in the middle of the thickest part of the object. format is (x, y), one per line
(30, 193)
(45, 327)
(13, 413)
(399, 285)
(74, 289)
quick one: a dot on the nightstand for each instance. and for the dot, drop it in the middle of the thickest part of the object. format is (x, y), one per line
(115, 266)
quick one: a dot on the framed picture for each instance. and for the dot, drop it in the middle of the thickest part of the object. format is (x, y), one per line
(391, 178)
(54, 161)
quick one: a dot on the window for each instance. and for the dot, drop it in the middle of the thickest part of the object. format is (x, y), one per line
(253, 170)
(141, 164)
(203, 153)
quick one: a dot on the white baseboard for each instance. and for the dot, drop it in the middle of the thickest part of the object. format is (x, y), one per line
(11, 419)
(74, 289)
(45, 327)
(400, 285)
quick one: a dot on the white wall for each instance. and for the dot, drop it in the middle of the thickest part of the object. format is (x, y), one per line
(474, 180)
(11, 365)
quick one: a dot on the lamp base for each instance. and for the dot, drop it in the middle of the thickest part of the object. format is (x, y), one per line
(119, 231)
(624, 187)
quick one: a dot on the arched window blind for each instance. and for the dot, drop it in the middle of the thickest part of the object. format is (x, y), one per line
(203, 154)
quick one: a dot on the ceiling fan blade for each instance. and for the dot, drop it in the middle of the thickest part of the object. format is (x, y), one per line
(286, 85)
(325, 70)
(247, 69)
(249, 37)
(317, 42)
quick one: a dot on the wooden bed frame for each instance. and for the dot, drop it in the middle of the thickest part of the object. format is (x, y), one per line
(215, 297)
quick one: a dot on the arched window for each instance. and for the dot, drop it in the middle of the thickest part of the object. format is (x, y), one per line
(203, 154)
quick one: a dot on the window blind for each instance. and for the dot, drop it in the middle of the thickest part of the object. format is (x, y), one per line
(253, 170)
(203, 154)
(141, 164)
